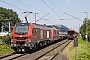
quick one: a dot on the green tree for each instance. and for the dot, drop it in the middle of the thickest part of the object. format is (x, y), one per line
(83, 29)
(8, 14)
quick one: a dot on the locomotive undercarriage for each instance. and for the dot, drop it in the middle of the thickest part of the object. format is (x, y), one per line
(20, 47)
(24, 47)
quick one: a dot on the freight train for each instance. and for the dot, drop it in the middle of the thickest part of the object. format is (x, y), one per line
(27, 36)
(72, 34)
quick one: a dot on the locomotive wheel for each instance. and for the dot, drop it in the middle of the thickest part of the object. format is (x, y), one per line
(35, 46)
(45, 43)
(14, 48)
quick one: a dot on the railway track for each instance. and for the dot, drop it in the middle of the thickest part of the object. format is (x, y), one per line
(47, 53)
(11, 56)
(6, 55)
(50, 55)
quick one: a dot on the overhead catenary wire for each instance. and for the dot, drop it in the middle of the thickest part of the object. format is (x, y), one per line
(65, 12)
(42, 17)
(51, 8)
(73, 16)
(55, 6)
(30, 6)
(67, 19)
(15, 6)
(12, 5)
(53, 19)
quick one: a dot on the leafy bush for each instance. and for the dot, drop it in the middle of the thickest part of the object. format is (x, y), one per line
(4, 48)
(82, 52)
(6, 39)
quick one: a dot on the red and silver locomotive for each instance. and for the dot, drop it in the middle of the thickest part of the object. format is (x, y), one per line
(26, 36)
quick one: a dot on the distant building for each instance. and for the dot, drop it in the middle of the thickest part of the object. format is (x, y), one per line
(3, 33)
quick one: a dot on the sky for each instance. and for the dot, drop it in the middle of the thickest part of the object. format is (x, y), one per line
(55, 8)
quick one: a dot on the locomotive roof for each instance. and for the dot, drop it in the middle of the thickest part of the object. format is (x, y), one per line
(41, 26)
(36, 25)
(22, 23)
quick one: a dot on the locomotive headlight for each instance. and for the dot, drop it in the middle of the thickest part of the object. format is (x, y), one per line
(11, 41)
(29, 40)
(14, 44)
(29, 44)
(25, 44)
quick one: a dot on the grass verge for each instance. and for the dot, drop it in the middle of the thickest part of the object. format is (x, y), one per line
(5, 49)
(82, 51)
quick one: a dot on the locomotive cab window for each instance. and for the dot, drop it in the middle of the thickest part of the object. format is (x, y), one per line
(21, 29)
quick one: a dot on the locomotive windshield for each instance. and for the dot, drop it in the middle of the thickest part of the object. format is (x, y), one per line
(21, 29)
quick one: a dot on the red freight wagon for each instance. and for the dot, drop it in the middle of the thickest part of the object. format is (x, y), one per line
(71, 34)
